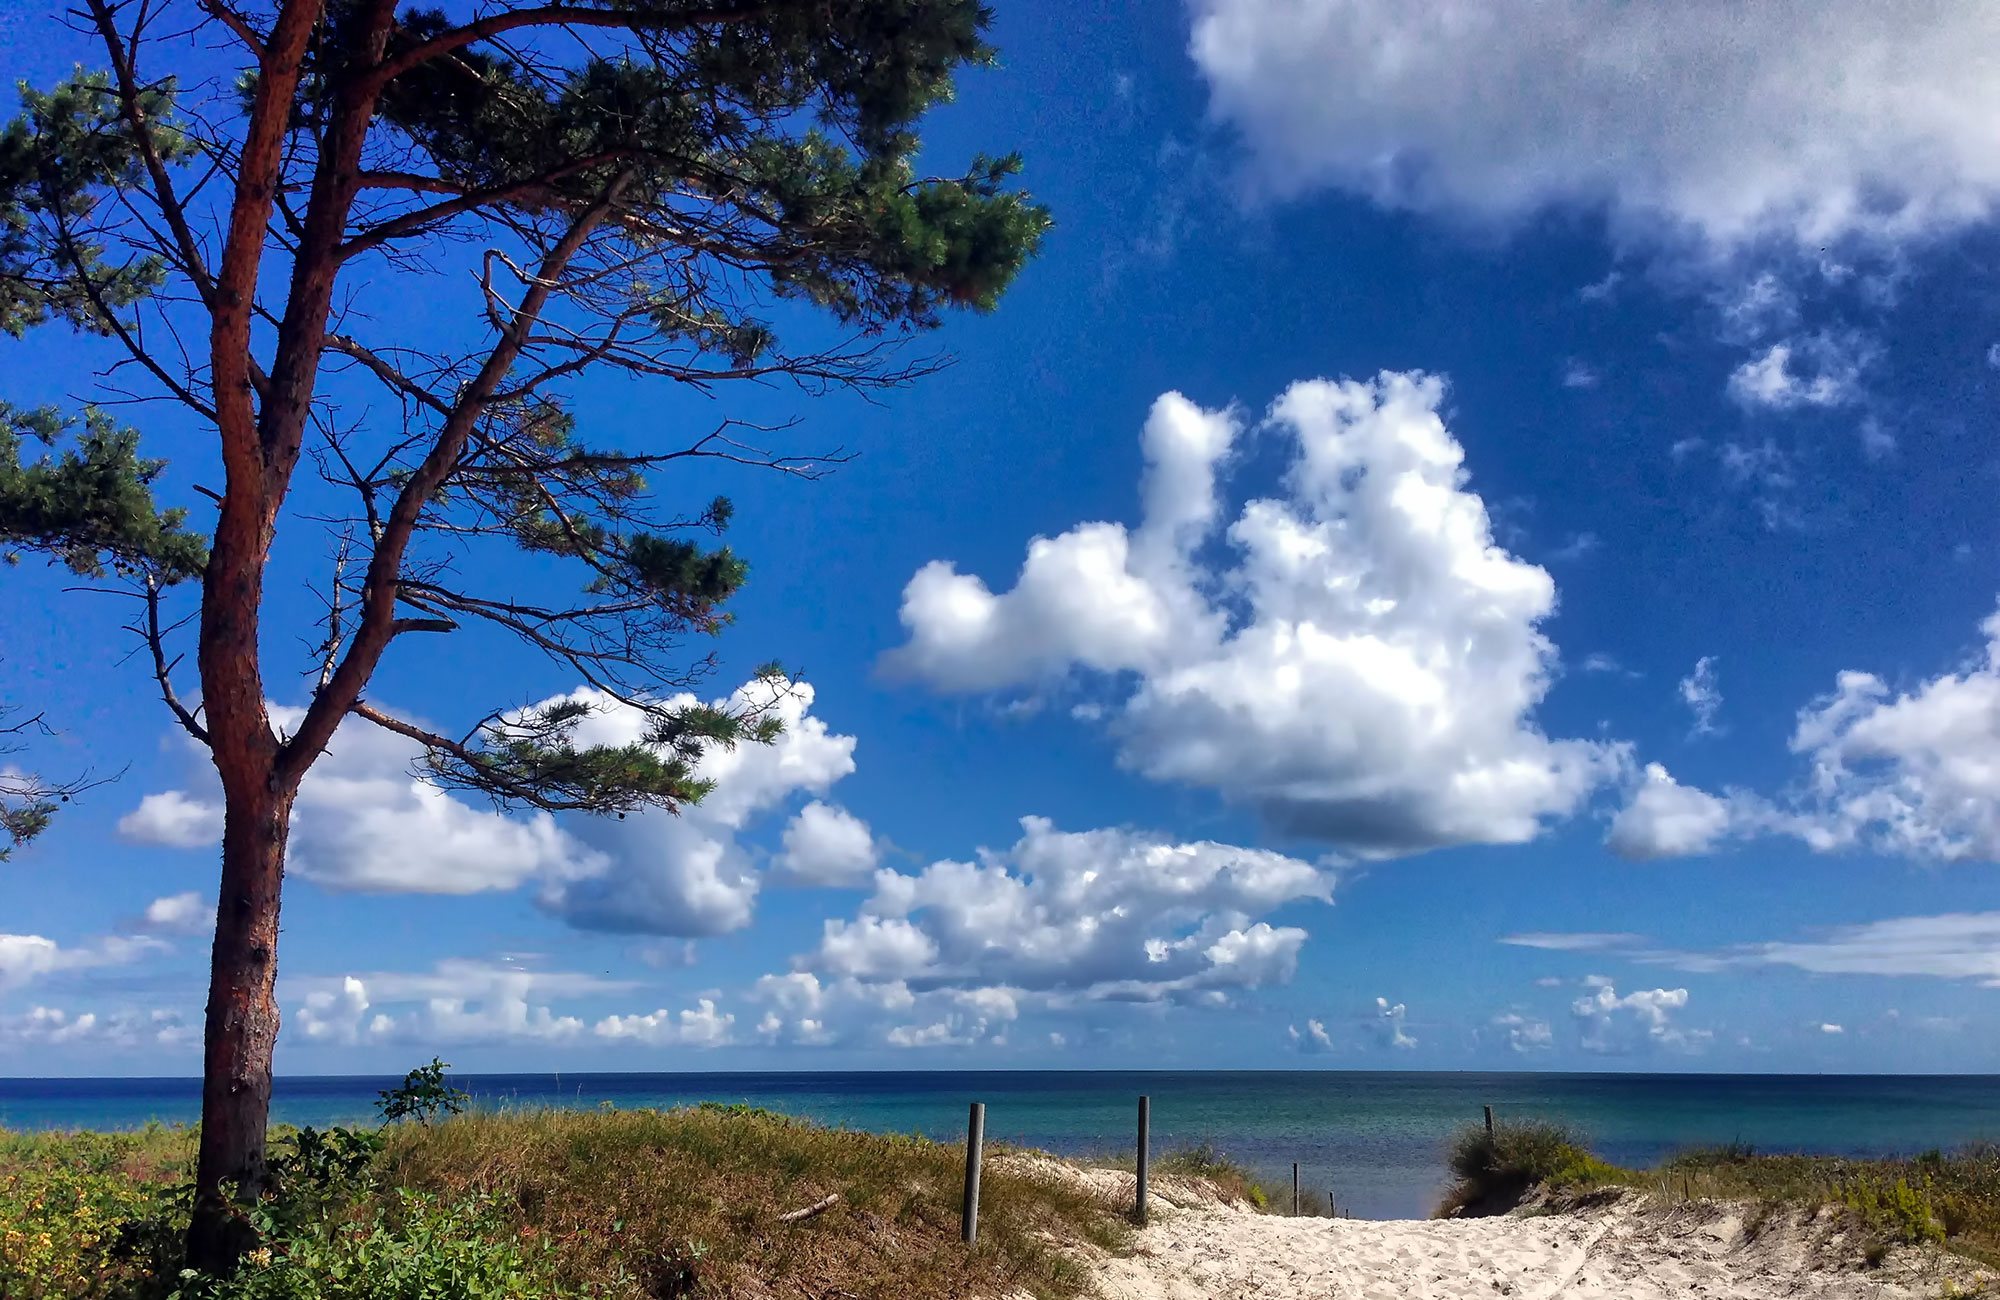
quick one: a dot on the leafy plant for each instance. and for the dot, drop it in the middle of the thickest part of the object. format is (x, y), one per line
(422, 1094)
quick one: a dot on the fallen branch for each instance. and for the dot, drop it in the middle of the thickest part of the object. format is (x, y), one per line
(824, 1203)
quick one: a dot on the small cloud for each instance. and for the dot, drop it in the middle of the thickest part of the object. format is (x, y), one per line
(1576, 374)
(1578, 546)
(1601, 290)
(1702, 695)
(1572, 942)
(1832, 1029)
(1315, 1038)
(1993, 356)
(1387, 1025)
(1525, 1034)
(1685, 447)
(1820, 370)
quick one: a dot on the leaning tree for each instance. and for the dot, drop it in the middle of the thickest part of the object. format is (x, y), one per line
(369, 249)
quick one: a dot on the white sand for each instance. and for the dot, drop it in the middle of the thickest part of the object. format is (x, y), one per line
(1629, 1249)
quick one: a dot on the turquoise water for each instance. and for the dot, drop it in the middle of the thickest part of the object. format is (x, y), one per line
(1376, 1140)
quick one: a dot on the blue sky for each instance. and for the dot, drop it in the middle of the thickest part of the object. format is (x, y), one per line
(1508, 545)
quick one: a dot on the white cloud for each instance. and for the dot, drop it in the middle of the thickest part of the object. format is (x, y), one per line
(1387, 1025)
(174, 820)
(188, 913)
(1803, 120)
(54, 1027)
(1667, 819)
(699, 1026)
(1572, 942)
(1914, 773)
(1832, 1029)
(825, 845)
(1314, 1039)
(1640, 1020)
(1703, 696)
(457, 1001)
(1367, 671)
(365, 821)
(1110, 914)
(25, 958)
(1577, 374)
(1812, 370)
(1525, 1034)
(1959, 945)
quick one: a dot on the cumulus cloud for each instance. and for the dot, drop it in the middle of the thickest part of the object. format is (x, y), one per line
(825, 845)
(366, 821)
(1524, 1033)
(1638, 1021)
(1386, 1026)
(173, 819)
(1666, 819)
(1807, 121)
(1365, 673)
(186, 913)
(1832, 1029)
(55, 1027)
(1314, 1039)
(701, 1025)
(1110, 914)
(1914, 773)
(457, 1001)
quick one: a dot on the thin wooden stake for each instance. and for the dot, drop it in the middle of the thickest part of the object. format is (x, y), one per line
(1331, 1211)
(1489, 1121)
(975, 1138)
(1295, 1188)
(1145, 1131)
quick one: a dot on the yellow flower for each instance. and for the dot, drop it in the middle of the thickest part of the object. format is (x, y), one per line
(261, 1257)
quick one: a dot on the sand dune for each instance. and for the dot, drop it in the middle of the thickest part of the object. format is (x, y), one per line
(1626, 1248)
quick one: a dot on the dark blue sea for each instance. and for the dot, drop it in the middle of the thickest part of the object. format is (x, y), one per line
(1376, 1140)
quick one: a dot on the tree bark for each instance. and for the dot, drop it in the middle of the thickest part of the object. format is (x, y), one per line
(242, 1023)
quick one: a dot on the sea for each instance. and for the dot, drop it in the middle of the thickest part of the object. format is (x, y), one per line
(1375, 1141)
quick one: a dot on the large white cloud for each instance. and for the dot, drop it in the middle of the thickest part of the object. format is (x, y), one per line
(1365, 673)
(366, 821)
(1809, 120)
(1638, 1021)
(1106, 914)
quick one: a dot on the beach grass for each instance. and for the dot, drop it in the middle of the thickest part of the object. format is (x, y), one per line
(1951, 1199)
(609, 1203)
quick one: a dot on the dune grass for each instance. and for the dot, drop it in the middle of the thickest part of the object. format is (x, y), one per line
(1950, 1199)
(559, 1203)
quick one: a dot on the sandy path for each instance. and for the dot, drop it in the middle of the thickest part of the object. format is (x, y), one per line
(1630, 1249)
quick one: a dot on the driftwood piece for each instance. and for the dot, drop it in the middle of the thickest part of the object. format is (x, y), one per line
(826, 1202)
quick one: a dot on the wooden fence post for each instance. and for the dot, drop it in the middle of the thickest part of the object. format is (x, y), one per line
(975, 1138)
(1332, 1212)
(1295, 1188)
(1489, 1122)
(1145, 1131)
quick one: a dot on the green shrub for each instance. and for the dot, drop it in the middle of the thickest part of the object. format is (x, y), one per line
(413, 1248)
(1494, 1170)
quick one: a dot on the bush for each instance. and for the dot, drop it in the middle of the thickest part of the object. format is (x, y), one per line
(1496, 1170)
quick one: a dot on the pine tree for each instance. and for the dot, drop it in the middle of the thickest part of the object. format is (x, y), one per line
(697, 191)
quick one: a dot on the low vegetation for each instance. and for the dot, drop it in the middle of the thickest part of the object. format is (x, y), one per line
(1950, 1199)
(685, 1203)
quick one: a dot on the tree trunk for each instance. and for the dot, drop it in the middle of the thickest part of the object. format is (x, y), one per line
(242, 1024)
